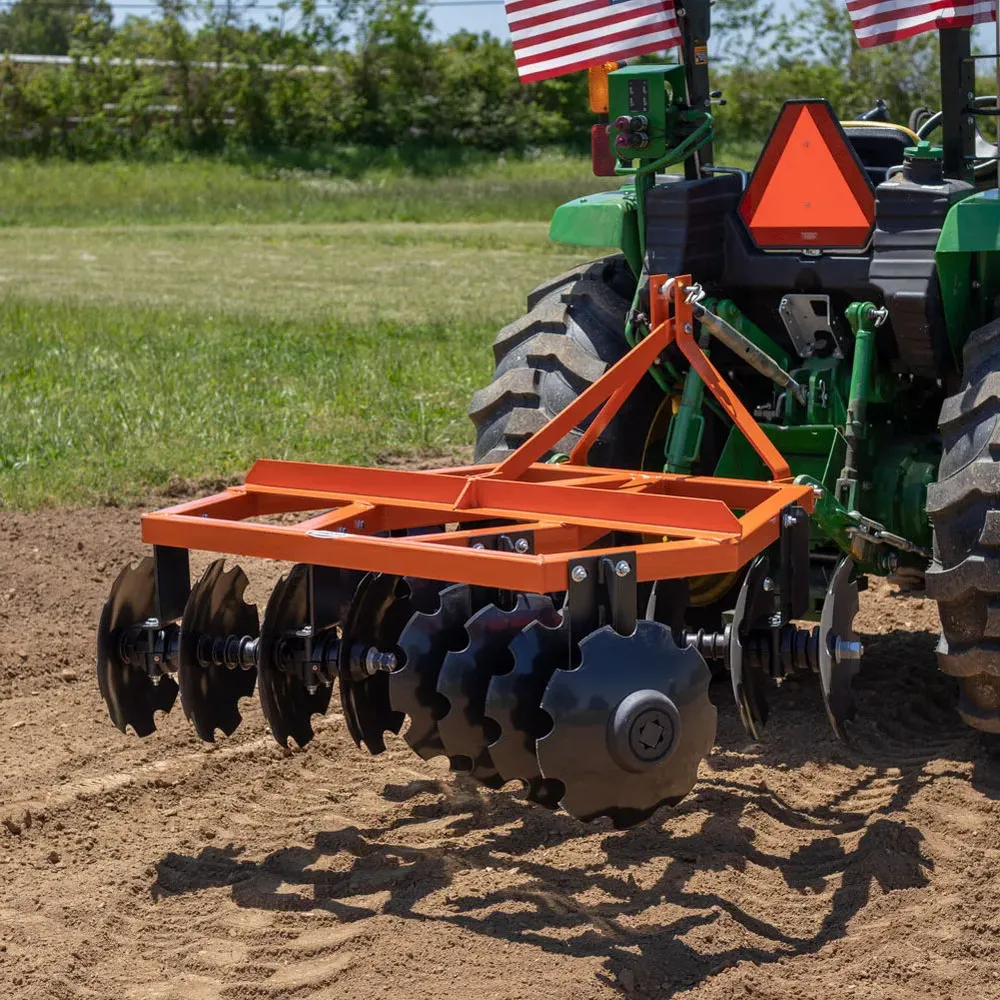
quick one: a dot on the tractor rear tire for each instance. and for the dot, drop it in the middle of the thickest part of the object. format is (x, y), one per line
(573, 332)
(964, 505)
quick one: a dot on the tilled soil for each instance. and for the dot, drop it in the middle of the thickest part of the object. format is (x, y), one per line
(162, 868)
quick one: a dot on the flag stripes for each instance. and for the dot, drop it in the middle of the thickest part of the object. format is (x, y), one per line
(878, 21)
(552, 37)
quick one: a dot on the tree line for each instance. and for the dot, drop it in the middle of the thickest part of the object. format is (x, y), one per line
(228, 78)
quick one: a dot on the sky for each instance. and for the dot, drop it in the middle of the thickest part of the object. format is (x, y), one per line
(484, 16)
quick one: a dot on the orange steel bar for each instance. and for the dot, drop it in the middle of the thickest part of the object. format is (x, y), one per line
(662, 292)
(700, 524)
(625, 373)
(513, 571)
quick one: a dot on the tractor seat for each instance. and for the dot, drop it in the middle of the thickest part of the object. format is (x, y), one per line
(879, 146)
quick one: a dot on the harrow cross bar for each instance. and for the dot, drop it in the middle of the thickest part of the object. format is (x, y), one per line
(520, 524)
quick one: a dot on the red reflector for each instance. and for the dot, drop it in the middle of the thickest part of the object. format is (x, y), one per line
(602, 158)
(808, 188)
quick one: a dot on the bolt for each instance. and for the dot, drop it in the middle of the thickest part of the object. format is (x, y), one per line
(359, 524)
(622, 568)
(376, 661)
(846, 649)
(478, 545)
(521, 545)
(687, 328)
(819, 492)
(788, 521)
(768, 585)
(578, 574)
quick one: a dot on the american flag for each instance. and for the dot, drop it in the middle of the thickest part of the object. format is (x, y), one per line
(879, 21)
(552, 37)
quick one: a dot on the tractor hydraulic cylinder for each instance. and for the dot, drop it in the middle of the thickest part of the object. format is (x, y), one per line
(749, 352)
(863, 318)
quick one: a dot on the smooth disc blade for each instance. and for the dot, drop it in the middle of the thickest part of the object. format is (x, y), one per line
(837, 672)
(746, 678)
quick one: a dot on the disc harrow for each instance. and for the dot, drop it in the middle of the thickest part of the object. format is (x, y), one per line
(525, 617)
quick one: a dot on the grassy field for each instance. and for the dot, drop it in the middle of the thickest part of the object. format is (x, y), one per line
(348, 190)
(133, 356)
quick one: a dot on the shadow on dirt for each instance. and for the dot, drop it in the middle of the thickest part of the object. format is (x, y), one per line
(669, 930)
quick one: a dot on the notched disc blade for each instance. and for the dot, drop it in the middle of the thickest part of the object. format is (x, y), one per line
(513, 704)
(465, 679)
(287, 704)
(424, 642)
(132, 698)
(630, 725)
(836, 674)
(215, 609)
(379, 612)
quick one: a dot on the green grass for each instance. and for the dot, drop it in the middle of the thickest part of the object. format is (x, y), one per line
(354, 273)
(130, 357)
(346, 185)
(213, 191)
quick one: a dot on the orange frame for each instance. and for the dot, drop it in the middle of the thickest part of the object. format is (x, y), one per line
(701, 525)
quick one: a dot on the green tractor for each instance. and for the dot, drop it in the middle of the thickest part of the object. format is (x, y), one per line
(848, 289)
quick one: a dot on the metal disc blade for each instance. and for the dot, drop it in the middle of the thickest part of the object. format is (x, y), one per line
(465, 678)
(211, 691)
(287, 703)
(630, 725)
(424, 642)
(131, 696)
(746, 678)
(382, 606)
(513, 704)
(839, 648)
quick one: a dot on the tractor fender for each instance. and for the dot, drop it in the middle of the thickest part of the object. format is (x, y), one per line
(605, 219)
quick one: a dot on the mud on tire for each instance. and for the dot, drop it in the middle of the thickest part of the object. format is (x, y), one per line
(573, 332)
(965, 507)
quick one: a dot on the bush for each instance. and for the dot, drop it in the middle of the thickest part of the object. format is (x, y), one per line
(237, 87)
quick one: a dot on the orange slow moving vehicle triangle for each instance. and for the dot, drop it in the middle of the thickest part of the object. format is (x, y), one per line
(808, 189)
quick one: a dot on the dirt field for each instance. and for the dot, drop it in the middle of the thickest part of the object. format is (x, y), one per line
(162, 869)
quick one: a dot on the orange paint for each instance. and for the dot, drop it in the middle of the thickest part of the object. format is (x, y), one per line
(808, 189)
